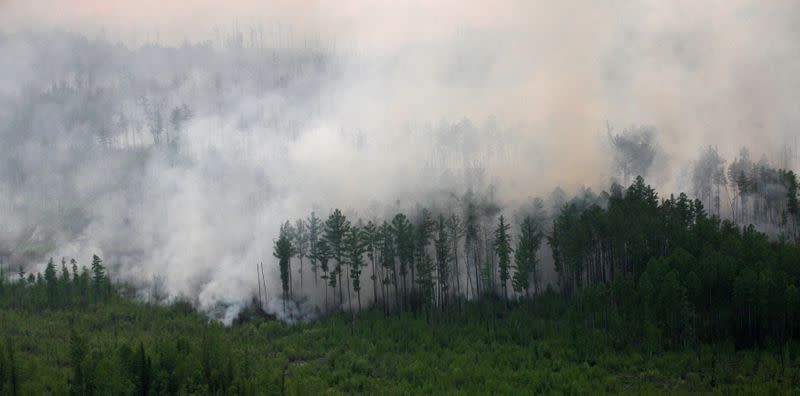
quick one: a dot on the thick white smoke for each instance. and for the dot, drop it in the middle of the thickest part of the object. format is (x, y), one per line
(369, 109)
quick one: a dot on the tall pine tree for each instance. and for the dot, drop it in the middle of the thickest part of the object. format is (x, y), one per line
(502, 246)
(283, 252)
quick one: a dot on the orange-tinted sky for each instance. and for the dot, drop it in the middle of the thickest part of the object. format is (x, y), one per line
(384, 22)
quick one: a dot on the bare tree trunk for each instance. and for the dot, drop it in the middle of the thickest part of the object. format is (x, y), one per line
(349, 298)
(384, 288)
(492, 267)
(404, 305)
(476, 262)
(263, 279)
(396, 287)
(314, 270)
(413, 285)
(374, 280)
(290, 276)
(341, 292)
(455, 267)
(258, 278)
(470, 288)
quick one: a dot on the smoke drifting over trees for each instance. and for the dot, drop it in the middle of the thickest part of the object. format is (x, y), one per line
(177, 150)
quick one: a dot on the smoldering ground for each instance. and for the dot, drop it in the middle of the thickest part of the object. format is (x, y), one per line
(173, 140)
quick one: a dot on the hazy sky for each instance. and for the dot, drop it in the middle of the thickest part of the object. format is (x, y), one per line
(370, 22)
(721, 72)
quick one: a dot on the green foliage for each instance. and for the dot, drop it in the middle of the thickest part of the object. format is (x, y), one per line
(283, 251)
(403, 234)
(100, 282)
(9, 371)
(443, 257)
(52, 283)
(526, 257)
(426, 282)
(387, 249)
(300, 243)
(335, 229)
(698, 278)
(81, 381)
(355, 248)
(502, 247)
(655, 297)
(314, 232)
(550, 346)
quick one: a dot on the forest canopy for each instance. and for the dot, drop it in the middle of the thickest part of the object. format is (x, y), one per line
(408, 197)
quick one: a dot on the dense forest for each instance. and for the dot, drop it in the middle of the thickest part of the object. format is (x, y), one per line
(653, 294)
(104, 140)
(659, 264)
(402, 198)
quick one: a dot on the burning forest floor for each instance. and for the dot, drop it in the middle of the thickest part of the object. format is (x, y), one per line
(126, 347)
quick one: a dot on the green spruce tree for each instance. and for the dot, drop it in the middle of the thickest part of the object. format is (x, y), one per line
(502, 246)
(283, 250)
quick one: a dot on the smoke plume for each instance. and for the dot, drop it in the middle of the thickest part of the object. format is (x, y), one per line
(173, 138)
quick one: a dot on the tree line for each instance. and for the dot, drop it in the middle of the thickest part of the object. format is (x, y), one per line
(665, 263)
(64, 287)
(747, 191)
(411, 263)
(633, 270)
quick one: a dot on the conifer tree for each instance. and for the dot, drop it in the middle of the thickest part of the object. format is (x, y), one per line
(388, 264)
(442, 247)
(300, 243)
(403, 233)
(290, 233)
(354, 242)
(471, 243)
(314, 233)
(75, 274)
(455, 231)
(51, 281)
(142, 371)
(65, 280)
(283, 252)
(98, 278)
(78, 351)
(502, 246)
(83, 284)
(335, 228)
(423, 230)
(525, 257)
(13, 371)
(425, 282)
(322, 254)
(369, 235)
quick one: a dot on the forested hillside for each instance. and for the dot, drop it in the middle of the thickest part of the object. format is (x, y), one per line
(634, 264)
(653, 295)
(399, 197)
